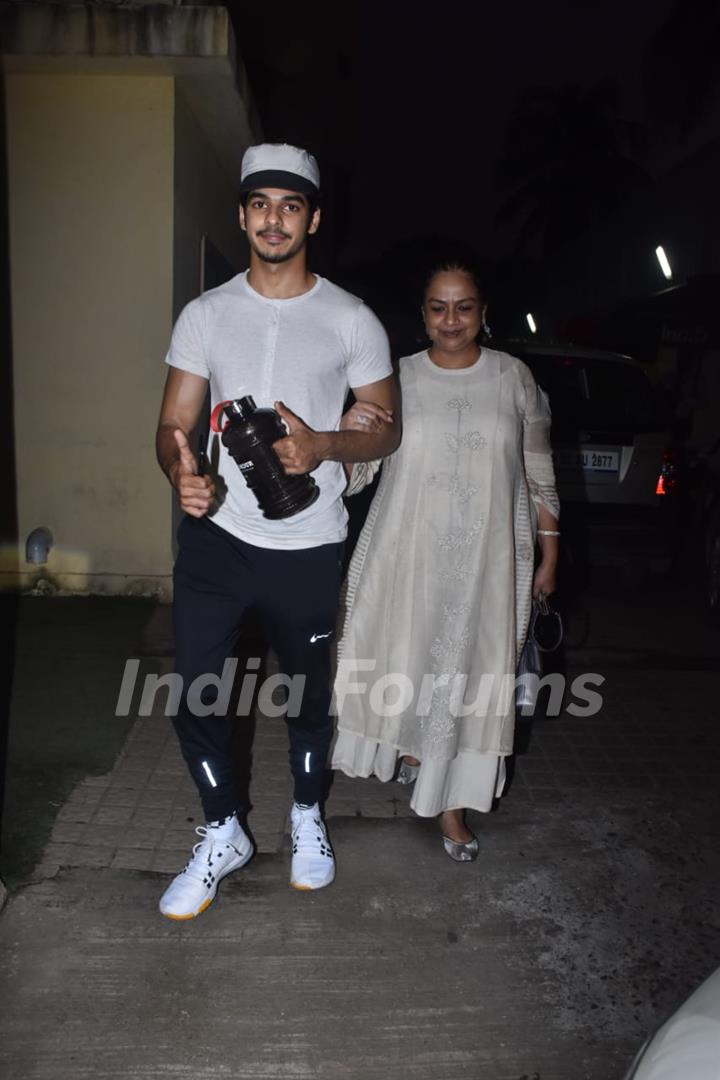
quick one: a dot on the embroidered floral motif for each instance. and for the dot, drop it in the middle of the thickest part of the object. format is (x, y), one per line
(437, 722)
(459, 538)
(454, 568)
(449, 574)
(438, 727)
(442, 647)
(462, 492)
(474, 440)
(455, 611)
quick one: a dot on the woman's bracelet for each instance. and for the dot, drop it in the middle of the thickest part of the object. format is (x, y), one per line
(547, 532)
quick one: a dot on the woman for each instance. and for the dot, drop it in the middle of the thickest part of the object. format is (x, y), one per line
(440, 585)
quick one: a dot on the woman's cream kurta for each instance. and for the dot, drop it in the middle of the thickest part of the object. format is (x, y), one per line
(439, 588)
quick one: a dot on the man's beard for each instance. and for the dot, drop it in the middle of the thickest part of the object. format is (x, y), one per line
(278, 256)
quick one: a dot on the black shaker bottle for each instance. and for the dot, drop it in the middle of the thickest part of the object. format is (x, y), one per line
(248, 434)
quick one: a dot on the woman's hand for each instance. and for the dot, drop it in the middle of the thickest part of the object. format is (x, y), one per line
(366, 416)
(548, 539)
(545, 579)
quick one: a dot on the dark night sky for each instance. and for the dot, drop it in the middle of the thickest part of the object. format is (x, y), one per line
(436, 92)
(406, 108)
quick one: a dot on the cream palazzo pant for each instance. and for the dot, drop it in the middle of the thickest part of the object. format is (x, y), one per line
(469, 781)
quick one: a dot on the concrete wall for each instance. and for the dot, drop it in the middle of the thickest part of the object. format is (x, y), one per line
(91, 231)
(206, 203)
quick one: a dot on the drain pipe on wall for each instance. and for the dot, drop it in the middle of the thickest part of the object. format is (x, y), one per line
(38, 545)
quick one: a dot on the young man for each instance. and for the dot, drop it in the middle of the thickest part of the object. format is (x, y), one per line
(294, 341)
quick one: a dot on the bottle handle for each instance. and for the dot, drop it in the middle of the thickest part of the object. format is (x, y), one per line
(215, 418)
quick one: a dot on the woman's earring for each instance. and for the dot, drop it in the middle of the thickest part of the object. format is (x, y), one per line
(486, 331)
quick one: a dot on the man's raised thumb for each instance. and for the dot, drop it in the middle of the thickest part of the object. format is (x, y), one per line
(292, 422)
(187, 459)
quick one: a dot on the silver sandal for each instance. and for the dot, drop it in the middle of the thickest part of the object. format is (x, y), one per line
(407, 774)
(460, 852)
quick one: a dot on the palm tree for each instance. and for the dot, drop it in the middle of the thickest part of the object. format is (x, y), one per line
(567, 160)
(682, 75)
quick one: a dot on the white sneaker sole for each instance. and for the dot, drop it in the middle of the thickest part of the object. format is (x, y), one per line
(311, 888)
(242, 860)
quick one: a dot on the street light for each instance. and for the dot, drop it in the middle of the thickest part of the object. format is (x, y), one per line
(531, 323)
(664, 263)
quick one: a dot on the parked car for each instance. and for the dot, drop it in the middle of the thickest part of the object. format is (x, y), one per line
(687, 1047)
(619, 471)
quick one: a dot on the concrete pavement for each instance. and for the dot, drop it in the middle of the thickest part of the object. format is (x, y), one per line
(589, 916)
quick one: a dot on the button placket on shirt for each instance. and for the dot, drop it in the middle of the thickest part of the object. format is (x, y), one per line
(270, 352)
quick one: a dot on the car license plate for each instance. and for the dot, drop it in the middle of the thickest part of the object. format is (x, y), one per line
(602, 461)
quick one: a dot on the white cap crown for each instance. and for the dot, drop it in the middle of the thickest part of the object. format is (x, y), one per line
(279, 165)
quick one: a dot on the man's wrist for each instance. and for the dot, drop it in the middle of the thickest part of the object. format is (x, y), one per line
(171, 471)
(324, 445)
(347, 446)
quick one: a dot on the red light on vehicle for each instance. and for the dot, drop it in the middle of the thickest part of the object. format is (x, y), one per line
(668, 478)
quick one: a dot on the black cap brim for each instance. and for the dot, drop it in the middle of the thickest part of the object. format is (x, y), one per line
(276, 178)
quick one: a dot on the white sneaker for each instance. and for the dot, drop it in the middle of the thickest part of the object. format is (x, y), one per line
(213, 858)
(313, 863)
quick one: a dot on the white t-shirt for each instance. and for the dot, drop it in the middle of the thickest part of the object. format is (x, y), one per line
(306, 352)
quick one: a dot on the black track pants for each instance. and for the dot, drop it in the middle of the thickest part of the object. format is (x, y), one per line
(295, 593)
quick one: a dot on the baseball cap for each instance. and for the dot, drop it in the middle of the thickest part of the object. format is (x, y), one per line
(281, 166)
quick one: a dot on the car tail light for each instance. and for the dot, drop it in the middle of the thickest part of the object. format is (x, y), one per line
(669, 474)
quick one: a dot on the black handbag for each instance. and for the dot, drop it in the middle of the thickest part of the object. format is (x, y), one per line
(545, 634)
